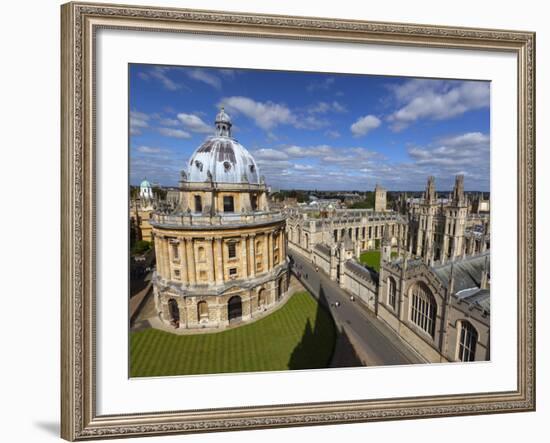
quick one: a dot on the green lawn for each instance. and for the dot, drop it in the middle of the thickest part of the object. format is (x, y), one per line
(372, 259)
(300, 335)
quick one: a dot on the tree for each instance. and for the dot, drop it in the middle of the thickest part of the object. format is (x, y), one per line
(367, 203)
(141, 246)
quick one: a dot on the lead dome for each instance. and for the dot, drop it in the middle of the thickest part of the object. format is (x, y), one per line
(222, 159)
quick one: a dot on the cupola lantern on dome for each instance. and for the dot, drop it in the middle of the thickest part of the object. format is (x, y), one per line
(223, 124)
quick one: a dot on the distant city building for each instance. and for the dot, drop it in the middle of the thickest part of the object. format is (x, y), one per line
(380, 199)
(221, 254)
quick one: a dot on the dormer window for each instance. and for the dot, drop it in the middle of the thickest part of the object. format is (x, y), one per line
(226, 166)
(252, 169)
(198, 164)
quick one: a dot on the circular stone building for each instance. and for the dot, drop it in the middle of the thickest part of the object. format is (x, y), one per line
(221, 256)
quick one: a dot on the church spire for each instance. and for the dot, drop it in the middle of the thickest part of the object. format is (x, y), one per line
(429, 194)
(458, 191)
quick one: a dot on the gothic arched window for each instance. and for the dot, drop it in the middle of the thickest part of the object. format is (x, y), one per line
(423, 308)
(392, 293)
(467, 342)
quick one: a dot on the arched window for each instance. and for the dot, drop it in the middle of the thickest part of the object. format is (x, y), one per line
(234, 309)
(261, 299)
(392, 293)
(468, 341)
(423, 308)
(202, 310)
(306, 238)
(174, 311)
(280, 289)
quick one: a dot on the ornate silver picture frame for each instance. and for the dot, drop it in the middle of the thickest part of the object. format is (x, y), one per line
(80, 24)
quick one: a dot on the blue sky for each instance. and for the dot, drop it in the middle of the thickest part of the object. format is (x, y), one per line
(312, 130)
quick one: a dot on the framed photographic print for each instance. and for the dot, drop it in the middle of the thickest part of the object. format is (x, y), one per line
(282, 221)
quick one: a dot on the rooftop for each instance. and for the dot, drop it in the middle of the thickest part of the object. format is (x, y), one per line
(467, 271)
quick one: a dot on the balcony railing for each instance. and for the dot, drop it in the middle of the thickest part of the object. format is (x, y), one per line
(229, 219)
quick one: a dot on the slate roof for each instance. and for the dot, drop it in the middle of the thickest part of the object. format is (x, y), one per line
(480, 297)
(467, 272)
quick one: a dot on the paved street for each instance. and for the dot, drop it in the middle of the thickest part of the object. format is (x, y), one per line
(372, 339)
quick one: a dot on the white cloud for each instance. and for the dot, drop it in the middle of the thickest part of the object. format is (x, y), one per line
(310, 151)
(176, 133)
(324, 107)
(469, 139)
(269, 154)
(467, 153)
(169, 122)
(194, 123)
(310, 122)
(266, 115)
(300, 167)
(161, 74)
(332, 134)
(436, 100)
(205, 77)
(138, 121)
(321, 85)
(148, 150)
(365, 124)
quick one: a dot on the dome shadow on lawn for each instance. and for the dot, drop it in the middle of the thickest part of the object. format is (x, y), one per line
(299, 335)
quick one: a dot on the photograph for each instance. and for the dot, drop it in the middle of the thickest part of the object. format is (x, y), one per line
(288, 220)
(293, 218)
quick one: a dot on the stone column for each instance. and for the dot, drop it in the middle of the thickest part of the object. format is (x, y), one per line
(191, 272)
(265, 256)
(182, 261)
(165, 267)
(158, 252)
(444, 248)
(210, 252)
(244, 261)
(270, 250)
(218, 268)
(282, 245)
(252, 255)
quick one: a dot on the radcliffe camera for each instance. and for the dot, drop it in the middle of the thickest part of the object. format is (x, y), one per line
(291, 220)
